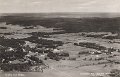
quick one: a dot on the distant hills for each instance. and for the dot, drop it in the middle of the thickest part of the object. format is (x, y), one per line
(65, 14)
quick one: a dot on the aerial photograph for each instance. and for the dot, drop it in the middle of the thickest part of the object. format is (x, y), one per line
(59, 38)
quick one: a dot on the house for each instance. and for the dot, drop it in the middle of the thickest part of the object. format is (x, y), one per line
(56, 51)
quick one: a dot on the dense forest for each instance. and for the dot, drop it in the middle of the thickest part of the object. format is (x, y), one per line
(90, 24)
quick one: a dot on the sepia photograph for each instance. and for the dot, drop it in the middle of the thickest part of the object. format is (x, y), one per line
(59, 38)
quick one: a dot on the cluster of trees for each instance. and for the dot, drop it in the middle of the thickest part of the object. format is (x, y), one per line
(114, 73)
(91, 45)
(3, 27)
(100, 49)
(14, 43)
(57, 56)
(41, 34)
(83, 52)
(24, 67)
(95, 36)
(44, 42)
(110, 37)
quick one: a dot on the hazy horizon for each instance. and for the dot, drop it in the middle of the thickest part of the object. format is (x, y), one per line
(64, 14)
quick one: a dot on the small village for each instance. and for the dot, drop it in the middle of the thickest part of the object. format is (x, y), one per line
(24, 56)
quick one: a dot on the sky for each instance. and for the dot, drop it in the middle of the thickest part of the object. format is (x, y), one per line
(38, 6)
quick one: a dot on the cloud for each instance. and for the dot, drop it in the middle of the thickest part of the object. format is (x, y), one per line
(59, 6)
